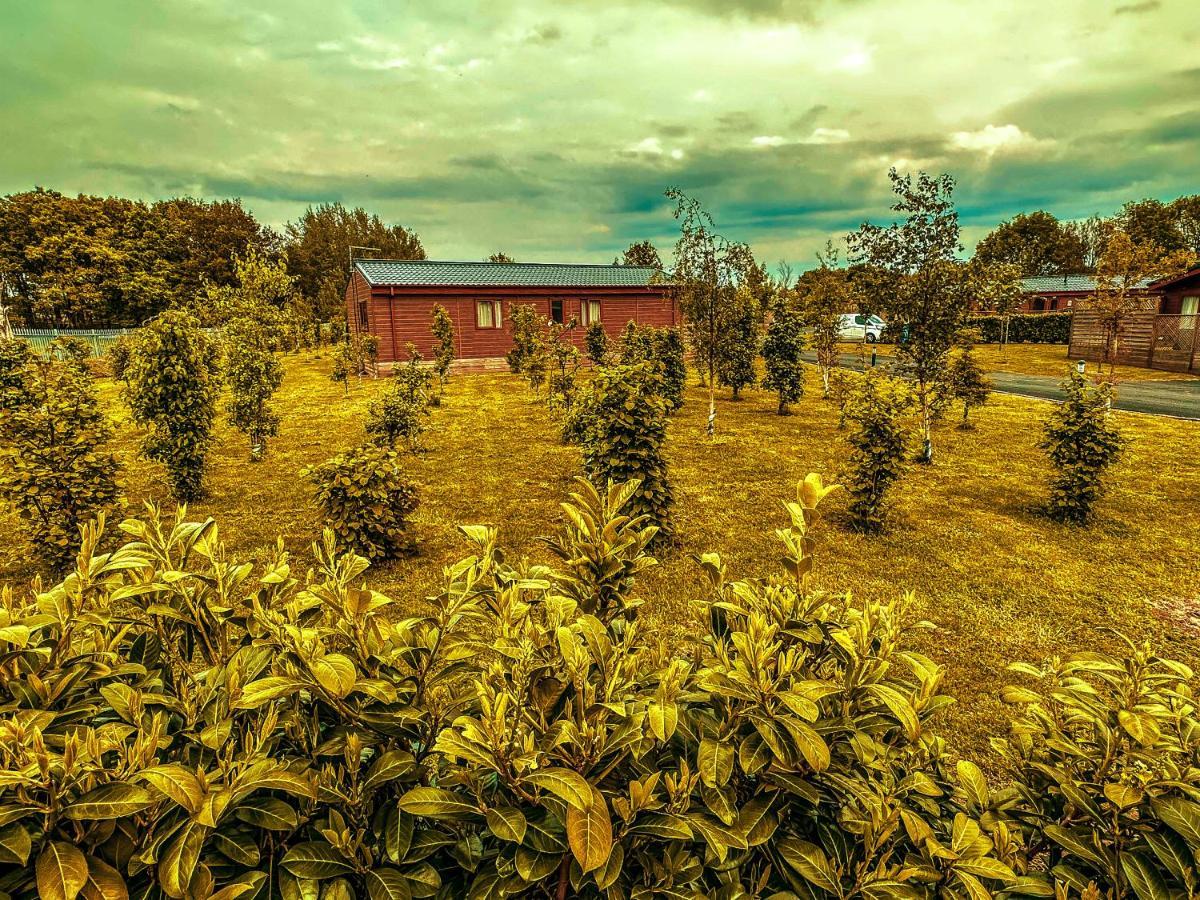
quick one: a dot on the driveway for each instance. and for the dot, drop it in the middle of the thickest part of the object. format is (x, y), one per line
(1161, 398)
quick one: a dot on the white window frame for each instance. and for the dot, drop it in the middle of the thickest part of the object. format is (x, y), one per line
(585, 311)
(495, 310)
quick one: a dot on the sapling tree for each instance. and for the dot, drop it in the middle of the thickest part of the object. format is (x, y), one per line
(172, 388)
(367, 500)
(367, 353)
(996, 287)
(443, 345)
(738, 342)
(596, 344)
(875, 410)
(709, 268)
(781, 355)
(55, 469)
(910, 271)
(343, 365)
(563, 360)
(1082, 443)
(823, 294)
(253, 373)
(966, 381)
(399, 413)
(624, 440)
(528, 353)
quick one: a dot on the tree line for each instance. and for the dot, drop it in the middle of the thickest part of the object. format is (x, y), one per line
(86, 261)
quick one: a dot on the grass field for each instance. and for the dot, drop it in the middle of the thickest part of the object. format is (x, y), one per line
(1001, 582)
(1034, 359)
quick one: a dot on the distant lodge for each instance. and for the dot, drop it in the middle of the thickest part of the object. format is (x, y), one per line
(1161, 334)
(394, 299)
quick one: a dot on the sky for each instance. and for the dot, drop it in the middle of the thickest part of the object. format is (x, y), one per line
(549, 129)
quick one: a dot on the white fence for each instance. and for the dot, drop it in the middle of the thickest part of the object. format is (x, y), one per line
(100, 338)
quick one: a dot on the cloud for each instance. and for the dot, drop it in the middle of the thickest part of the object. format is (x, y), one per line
(992, 139)
(1136, 8)
(522, 124)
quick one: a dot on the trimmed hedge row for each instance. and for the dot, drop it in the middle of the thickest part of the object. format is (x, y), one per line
(1026, 328)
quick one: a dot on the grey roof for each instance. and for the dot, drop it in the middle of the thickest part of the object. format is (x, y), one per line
(431, 272)
(1049, 284)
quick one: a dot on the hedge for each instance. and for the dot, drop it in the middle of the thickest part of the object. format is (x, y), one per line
(1025, 328)
(177, 722)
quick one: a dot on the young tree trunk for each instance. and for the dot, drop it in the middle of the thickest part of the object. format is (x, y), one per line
(825, 382)
(926, 426)
(783, 407)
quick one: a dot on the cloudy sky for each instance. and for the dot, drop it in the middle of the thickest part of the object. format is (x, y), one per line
(551, 128)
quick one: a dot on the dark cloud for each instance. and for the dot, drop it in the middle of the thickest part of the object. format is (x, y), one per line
(1135, 8)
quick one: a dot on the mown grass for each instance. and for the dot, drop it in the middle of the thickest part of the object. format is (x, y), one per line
(1001, 582)
(1035, 359)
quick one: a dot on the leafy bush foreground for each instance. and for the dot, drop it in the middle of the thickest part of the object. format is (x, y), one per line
(178, 723)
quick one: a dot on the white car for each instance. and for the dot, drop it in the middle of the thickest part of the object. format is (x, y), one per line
(857, 327)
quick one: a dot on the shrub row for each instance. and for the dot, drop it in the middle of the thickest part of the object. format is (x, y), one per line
(1025, 328)
(178, 723)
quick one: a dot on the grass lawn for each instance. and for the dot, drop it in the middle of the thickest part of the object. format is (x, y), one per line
(1001, 582)
(1034, 359)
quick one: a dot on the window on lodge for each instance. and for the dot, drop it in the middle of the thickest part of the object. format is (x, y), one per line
(589, 311)
(489, 314)
(556, 311)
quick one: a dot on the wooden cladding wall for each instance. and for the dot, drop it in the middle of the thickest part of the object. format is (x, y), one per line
(400, 316)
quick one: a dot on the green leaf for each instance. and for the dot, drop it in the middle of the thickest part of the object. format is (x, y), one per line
(61, 871)
(176, 782)
(387, 884)
(1140, 726)
(1075, 843)
(1143, 876)
(900, 708)
(714, 761)
(1181, 816)
(388, 767)
(566, 784)
(15, 844)
(974, 785)
(507, 823)
(589, 832)
(436, 803)
(812, 864)
(104, 882)
(316, 860)
(335, 673)
(986, 867)
(269, 813)
(178, 864)
(110, 801)
(264, 690)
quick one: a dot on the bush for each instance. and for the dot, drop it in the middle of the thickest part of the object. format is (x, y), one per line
(527, 355)
(1082, 444)
(663, 349)
(623, 440)
(54, 468)
(172, 388)
(738, 344)
(596, 344)
(875, 410)
(251, 732)
(366, 353)
(967, 383)
(781, 352)
(399, 414)
(118, 356)
(70, 349)
(1025, 328)
(343, 365)
(254, 375)
(366, 501)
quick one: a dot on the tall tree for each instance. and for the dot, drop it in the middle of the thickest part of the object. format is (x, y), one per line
(640, 253)
(206, 236)
(1036, 243)
(500, 257)
(912, 273)
(1123, 269)
(781, 355)
(319, 245)
(1151, 221)
(1187, 217)
(709, 268)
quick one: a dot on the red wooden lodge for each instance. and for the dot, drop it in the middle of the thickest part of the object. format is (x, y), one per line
(394, 299)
